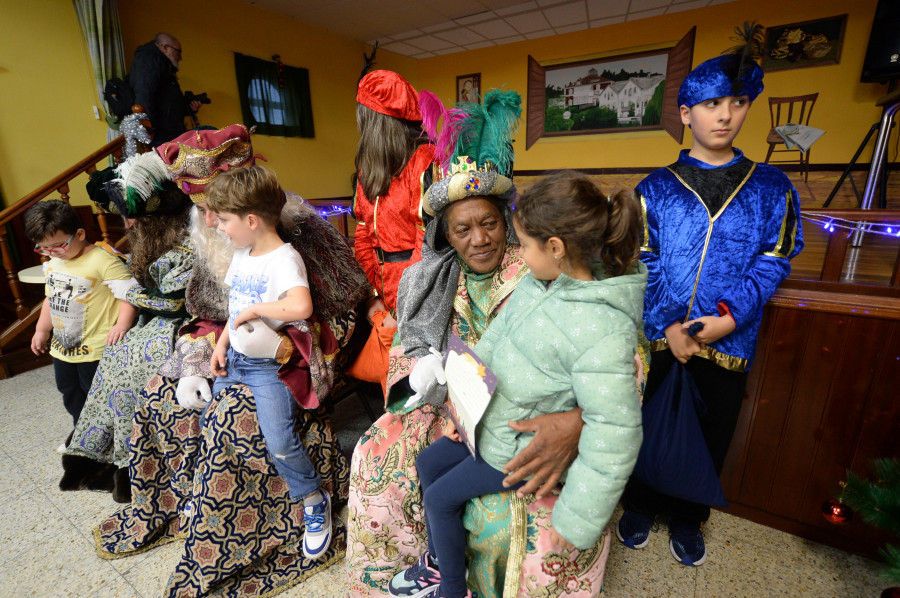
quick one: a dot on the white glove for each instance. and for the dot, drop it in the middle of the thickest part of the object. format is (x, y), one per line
(193, 392)
(257, 340)
(428, 369)
(120, 287)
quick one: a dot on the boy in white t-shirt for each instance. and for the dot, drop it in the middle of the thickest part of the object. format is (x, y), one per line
(268, 287)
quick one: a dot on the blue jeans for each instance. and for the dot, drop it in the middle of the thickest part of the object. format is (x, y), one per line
(449, 477)
(276, 412)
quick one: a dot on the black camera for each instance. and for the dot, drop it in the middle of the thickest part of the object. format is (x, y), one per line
(190, 96)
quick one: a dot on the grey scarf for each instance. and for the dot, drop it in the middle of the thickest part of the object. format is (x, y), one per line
(428, 289)
(425, 301)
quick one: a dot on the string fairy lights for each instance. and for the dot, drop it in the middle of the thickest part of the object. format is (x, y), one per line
(336, 210)
(830, 224)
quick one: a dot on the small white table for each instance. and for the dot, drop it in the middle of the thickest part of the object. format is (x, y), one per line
(34, 274)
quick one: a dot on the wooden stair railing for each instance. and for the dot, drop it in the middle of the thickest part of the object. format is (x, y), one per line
(26, 314)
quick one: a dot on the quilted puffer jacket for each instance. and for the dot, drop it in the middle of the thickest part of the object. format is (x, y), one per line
(555, 348)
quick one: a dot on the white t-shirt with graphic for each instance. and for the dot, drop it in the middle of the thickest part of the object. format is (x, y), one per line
(262, 279)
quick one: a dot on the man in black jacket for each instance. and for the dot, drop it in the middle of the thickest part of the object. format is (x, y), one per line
(155, 84)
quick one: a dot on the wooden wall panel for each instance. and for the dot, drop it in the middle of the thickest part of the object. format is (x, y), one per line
(846, 405)
(879, 435)
(822, 397)
(738, 452)
(821, 354)
(773, 399)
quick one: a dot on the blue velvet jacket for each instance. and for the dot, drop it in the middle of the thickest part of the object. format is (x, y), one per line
(737, 256)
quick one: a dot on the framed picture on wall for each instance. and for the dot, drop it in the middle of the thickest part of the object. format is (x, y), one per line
(468, 88)
(810, 43)
(618, 92)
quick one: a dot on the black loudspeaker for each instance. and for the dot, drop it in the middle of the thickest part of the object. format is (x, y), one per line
(883, 55)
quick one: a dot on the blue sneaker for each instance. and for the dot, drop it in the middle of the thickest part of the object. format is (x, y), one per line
(419, 581)
(633, 529)
(317, 519)
(686, 543)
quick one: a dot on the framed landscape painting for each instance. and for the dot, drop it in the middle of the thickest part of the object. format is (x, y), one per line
(604, 96)
(631, 91)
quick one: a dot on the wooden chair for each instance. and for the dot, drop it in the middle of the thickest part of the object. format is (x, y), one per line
(784, 110)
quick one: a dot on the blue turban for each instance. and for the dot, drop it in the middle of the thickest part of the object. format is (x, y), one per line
(719, 77)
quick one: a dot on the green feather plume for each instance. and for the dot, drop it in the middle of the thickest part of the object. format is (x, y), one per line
(486, 129)
(471, 122)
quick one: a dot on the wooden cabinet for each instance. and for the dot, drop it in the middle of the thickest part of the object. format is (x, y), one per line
(822, 398)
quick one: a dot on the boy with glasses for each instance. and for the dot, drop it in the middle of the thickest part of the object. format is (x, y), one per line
(80, 315)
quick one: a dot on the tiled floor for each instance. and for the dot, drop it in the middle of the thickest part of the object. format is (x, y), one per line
(47, 550)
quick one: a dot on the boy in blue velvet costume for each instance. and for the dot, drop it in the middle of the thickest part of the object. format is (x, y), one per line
(719, 233)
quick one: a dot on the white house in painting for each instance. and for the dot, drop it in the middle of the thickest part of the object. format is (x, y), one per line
(637, 91)
(609, 96)
(628, 98)
(582, 93)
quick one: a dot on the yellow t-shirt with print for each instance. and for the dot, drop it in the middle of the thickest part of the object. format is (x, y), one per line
(82, 308)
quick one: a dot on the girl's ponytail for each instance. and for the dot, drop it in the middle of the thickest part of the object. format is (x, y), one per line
(592, 224)
(622, 241)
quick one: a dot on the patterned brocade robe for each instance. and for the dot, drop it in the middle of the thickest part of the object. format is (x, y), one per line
(508, 542)
(105, 424)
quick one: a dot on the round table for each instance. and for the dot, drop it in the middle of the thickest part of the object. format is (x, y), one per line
(34, 274)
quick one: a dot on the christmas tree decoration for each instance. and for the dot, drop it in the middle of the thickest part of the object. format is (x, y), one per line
(878, 503)
(837, 512)
(891, 593)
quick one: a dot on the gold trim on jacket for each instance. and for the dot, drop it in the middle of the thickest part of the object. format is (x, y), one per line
(729, 362)
(786, 239)
(712, 220)
(645, 243)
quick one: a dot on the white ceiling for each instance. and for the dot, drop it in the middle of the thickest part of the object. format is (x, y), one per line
(423, 28)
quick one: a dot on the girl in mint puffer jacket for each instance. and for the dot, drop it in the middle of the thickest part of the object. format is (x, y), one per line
(566, 339)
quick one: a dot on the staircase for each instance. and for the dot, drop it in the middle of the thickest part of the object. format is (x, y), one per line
(21, 303)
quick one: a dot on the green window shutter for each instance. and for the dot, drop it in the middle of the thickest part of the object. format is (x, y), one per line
(279, 110)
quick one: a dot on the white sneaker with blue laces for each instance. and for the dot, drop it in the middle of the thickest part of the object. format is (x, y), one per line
(317, 519)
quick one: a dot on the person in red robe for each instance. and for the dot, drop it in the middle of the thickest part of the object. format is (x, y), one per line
(391, 160)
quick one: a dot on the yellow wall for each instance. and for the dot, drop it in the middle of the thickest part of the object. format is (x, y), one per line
(46, 92)
(46, 96)
(211, 30)
(845, 108)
